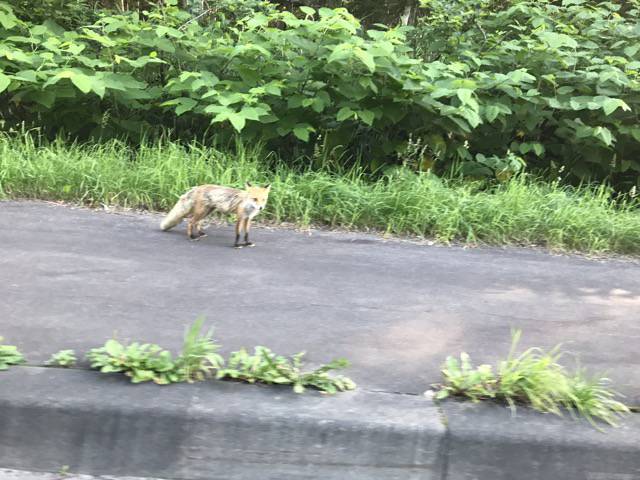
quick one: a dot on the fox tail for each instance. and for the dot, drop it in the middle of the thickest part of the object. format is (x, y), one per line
(180, 210)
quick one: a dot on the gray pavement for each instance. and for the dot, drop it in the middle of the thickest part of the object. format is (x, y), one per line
(72, 277)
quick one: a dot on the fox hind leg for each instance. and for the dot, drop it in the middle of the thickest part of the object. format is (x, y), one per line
(198, 215)
(199, 226)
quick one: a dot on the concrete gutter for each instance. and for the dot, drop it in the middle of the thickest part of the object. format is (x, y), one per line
(102, 425)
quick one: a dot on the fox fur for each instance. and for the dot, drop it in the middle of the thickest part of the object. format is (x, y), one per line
(202, 200)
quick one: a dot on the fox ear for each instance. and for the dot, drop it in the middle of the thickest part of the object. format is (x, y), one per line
(268, 187)
(248, 185)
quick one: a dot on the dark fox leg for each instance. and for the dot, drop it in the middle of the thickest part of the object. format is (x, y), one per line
(247, 227)
(199, 226)
(238, 231)
(198, 215)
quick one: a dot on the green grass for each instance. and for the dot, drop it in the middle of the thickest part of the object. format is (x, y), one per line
(532, 378)
(522, 211)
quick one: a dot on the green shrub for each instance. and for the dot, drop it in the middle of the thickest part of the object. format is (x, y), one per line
(553, 84)
(9, 355)
(64, 358)
(532, 378)
(266, 367)
(565, 75)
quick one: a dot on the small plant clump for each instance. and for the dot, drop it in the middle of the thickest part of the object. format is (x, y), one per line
(149, 362)
(266, 367)
(64, 359)
(532, 378)
(9, 355)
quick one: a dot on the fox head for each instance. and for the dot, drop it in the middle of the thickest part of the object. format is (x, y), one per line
(258, 195)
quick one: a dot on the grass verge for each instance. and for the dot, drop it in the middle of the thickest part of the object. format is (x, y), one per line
(521, 211)
(532, 378)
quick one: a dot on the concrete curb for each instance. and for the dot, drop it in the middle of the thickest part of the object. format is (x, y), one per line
(213, 430)
(102, 425)
(486, 441)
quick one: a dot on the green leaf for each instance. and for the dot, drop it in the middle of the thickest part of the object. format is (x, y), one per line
(367, 116)
(604, 134)
(538, 148)
(238, 121)
(7, 20)
(557, 40)
(339, 52)
(465, 95)
(4, 81)
(45, 98)
(366, 58)
(611, 104)
(98, 87)
(307, 10)
(344, 113)
(82, 82)
(272, 89)
(169, 31)
(491, 112)
(302, 133)
(186, 104)
(442, 394)
(113, 348)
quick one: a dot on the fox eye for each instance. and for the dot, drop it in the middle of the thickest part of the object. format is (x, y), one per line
(255, 199)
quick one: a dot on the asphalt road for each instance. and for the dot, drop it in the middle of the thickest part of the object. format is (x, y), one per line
(72, 278)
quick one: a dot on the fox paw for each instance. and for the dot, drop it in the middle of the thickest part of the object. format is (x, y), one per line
(249, 244)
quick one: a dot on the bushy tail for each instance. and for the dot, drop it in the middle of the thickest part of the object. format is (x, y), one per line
(180, 210)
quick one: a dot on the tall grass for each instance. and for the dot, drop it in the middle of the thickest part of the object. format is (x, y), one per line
(522, 211)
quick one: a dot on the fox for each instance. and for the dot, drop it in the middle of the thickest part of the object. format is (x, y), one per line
(200, 201)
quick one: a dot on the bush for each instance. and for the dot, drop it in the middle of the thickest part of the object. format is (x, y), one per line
(554, 84)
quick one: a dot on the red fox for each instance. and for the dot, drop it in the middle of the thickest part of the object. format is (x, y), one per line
(202, 200)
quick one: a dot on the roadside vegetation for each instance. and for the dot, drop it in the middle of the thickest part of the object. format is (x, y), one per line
(199, 360)
(469, 120)
(264, 366)
(63, 359)
(523, 211)
(9, 355)
(533, 378)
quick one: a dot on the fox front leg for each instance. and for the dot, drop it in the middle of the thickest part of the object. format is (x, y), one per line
(247, 227)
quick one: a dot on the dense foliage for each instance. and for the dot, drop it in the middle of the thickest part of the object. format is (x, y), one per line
(485, 86)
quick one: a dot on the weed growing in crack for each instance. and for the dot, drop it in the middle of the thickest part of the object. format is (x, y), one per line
(533, 378)
(64, 359)
(266, 367)
(9, 355)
